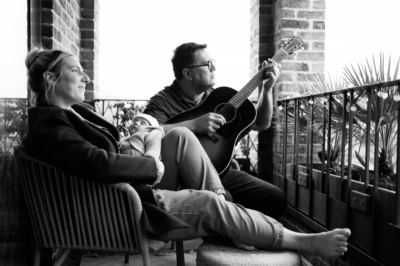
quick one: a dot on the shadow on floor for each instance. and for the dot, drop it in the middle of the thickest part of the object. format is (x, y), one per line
(165, 257)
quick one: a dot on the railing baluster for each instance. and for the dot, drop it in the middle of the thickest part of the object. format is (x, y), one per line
(398, 165)
(349, 159)
(329, 161)
(295, 149)
(376, 174)
(344, 137)
(284, 148)
(368, 138)
(323, 155)
(310, 154)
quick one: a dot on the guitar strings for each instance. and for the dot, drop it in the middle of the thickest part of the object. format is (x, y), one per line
(238, 98)
(241, 95)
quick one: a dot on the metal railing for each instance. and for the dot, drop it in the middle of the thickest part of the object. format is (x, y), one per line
(12, 128)
(340, 164)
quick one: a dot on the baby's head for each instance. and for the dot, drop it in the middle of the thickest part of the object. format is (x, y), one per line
(141, 121)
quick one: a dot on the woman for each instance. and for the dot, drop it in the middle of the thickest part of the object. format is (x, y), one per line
(68, 135)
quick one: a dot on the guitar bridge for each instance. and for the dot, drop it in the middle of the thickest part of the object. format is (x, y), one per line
(212, 137)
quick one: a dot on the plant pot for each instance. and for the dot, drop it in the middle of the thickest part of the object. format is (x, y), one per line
(317, 178)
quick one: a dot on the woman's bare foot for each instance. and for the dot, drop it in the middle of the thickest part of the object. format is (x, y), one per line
(330, 244)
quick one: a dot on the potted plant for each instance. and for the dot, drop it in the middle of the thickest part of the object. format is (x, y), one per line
(384, 114)
(317, 84)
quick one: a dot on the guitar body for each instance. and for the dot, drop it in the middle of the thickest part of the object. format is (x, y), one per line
(220, 145)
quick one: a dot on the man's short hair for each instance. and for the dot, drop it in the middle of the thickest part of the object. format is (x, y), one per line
(184, 56)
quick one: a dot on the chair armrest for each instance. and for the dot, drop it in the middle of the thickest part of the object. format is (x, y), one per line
(132, 195)
(137, 209)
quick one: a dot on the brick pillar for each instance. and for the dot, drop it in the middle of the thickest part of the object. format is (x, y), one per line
(272, 23)
(306, 20)
(60, 25)
(89, 25)
(262, 48)
(73, 26)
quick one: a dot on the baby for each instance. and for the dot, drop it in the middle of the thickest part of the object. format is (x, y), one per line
(144, 140)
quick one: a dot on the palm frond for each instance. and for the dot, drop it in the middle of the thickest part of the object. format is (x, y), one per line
(397, 69)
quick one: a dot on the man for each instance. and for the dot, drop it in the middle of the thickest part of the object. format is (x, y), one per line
(194, 72)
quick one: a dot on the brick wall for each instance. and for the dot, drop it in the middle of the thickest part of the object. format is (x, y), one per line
(262, 48)
(73, 26)
(306, 20)
(272, 23)
(90, 45)
(60, 25)
(261, 33)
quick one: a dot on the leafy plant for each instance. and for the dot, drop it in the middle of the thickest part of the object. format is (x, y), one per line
(12, 128)
(125, 113)
(320, 84)
(384, 106)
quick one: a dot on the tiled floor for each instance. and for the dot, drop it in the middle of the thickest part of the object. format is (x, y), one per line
(164, 257)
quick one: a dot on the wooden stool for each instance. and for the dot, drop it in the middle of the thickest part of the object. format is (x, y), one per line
(225, 254)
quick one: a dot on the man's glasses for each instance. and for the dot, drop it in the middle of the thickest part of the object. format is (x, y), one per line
(210, 64)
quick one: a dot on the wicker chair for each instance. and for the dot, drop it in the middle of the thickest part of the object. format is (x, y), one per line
(71, 213)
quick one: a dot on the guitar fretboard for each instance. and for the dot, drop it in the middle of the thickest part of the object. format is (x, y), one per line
(243, 94)
(295, 44)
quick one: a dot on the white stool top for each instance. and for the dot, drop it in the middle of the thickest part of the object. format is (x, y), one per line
(223, 254)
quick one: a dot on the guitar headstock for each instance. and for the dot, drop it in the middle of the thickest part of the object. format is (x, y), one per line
(292, 45)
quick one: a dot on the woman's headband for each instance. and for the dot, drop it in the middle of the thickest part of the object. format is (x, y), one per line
(58, 59)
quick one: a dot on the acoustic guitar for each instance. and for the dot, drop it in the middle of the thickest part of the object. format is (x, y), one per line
(238, 111)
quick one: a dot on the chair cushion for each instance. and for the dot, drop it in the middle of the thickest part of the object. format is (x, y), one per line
(225, 254)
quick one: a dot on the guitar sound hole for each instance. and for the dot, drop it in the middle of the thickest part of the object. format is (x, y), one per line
(227, 110)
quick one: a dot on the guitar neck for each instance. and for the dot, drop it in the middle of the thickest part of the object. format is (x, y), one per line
(248, 89)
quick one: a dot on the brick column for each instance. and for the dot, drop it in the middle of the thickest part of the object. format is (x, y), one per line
(262, 48)
(60, 25)
(89, 53)
(306, 20)
(272, 23)
(73, 26)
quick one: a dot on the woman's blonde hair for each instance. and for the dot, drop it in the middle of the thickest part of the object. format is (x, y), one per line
(38, 62)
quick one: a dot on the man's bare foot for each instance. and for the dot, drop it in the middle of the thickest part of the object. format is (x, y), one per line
(330, 244)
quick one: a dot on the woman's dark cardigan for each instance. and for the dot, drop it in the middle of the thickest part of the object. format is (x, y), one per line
(89, 150)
